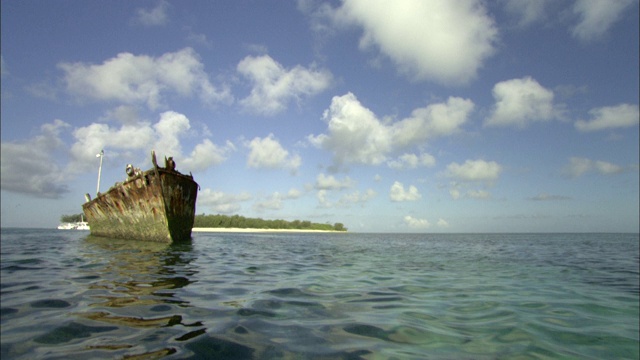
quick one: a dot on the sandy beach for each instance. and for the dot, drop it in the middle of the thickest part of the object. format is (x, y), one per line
(239, 230)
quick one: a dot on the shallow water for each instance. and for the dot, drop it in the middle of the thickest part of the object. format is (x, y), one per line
(68, 295)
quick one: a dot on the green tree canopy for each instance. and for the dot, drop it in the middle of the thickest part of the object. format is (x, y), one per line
(238, 221)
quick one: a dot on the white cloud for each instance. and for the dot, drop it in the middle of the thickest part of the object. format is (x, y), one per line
(321, 195)
(268, 153)
(170, 126)
(527, 11)
(141, 79)
(398, 193)
(274, 86)
(356, 135)
(163, 136)
(276, 200)
(442, 223)
(153, 17)
(470, 173)
(357, 197)
(442, 40)
(455, 193)
(199, 39)
(415, 223)
(324, 182)
(459, 190)
(412, 161)
(609, 117)
(435, 120)
(597, 17)
(273, 203)
(91, 139)
(293, 193)
(221, 202)
(521, 101)
(478, 194)
(30, 167)
(206, 154)
(125, 114)
(579, 166)
(474, 170)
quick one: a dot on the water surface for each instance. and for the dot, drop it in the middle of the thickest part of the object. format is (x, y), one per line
(69, 295)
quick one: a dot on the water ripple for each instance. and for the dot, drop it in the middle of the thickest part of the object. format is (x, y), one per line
(314, 296)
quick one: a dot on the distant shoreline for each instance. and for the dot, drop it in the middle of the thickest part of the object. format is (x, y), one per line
(253, 230)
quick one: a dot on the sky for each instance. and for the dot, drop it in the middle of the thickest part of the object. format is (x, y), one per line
(386, 116)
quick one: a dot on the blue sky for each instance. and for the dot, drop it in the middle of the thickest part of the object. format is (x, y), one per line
(387, 116)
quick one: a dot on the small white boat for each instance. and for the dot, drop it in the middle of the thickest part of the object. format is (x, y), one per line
(82, 225)
(67, 226)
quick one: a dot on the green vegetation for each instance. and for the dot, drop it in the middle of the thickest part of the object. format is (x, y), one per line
(71, 218)
(237, 221)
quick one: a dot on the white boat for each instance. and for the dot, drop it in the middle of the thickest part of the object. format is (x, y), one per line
(82, 225)
(67, 226)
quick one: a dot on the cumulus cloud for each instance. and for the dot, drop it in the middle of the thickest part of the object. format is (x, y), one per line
(442, 40)
(141, 79)
(580, 166)
(398, 193)
(357, 135)
(415, 223)
(474, 170)
(30, 167)
(412, 161)
(462, 191)
(267, 153)
(324, 182)
(221, 202)
(163, 136)
(357, 197)
(272, 203)
(520, 102)
(275, 86)
(469, 174)
(207, 154)
(597, 16)
(276, 200)
(610, 117)
(156, 16)
(478, 194)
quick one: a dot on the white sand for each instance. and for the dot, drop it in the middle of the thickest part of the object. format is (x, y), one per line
(262, 230)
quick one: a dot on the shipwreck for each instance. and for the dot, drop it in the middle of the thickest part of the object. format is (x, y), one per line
(154, 205)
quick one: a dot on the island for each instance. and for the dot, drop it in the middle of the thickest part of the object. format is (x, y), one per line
(238, 223)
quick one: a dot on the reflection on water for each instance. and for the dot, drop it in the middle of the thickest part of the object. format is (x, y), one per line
(138, 280)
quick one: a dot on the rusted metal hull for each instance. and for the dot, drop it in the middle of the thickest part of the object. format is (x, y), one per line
(156, 205)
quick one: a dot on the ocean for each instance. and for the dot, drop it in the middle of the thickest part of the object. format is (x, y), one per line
(68, 295)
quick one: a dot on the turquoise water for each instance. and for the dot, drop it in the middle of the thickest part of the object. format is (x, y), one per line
(68, 295)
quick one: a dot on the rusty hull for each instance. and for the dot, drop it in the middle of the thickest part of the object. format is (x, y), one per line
(157, 205)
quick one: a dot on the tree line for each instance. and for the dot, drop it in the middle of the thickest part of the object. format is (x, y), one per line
(238, 221)
(71, 218)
